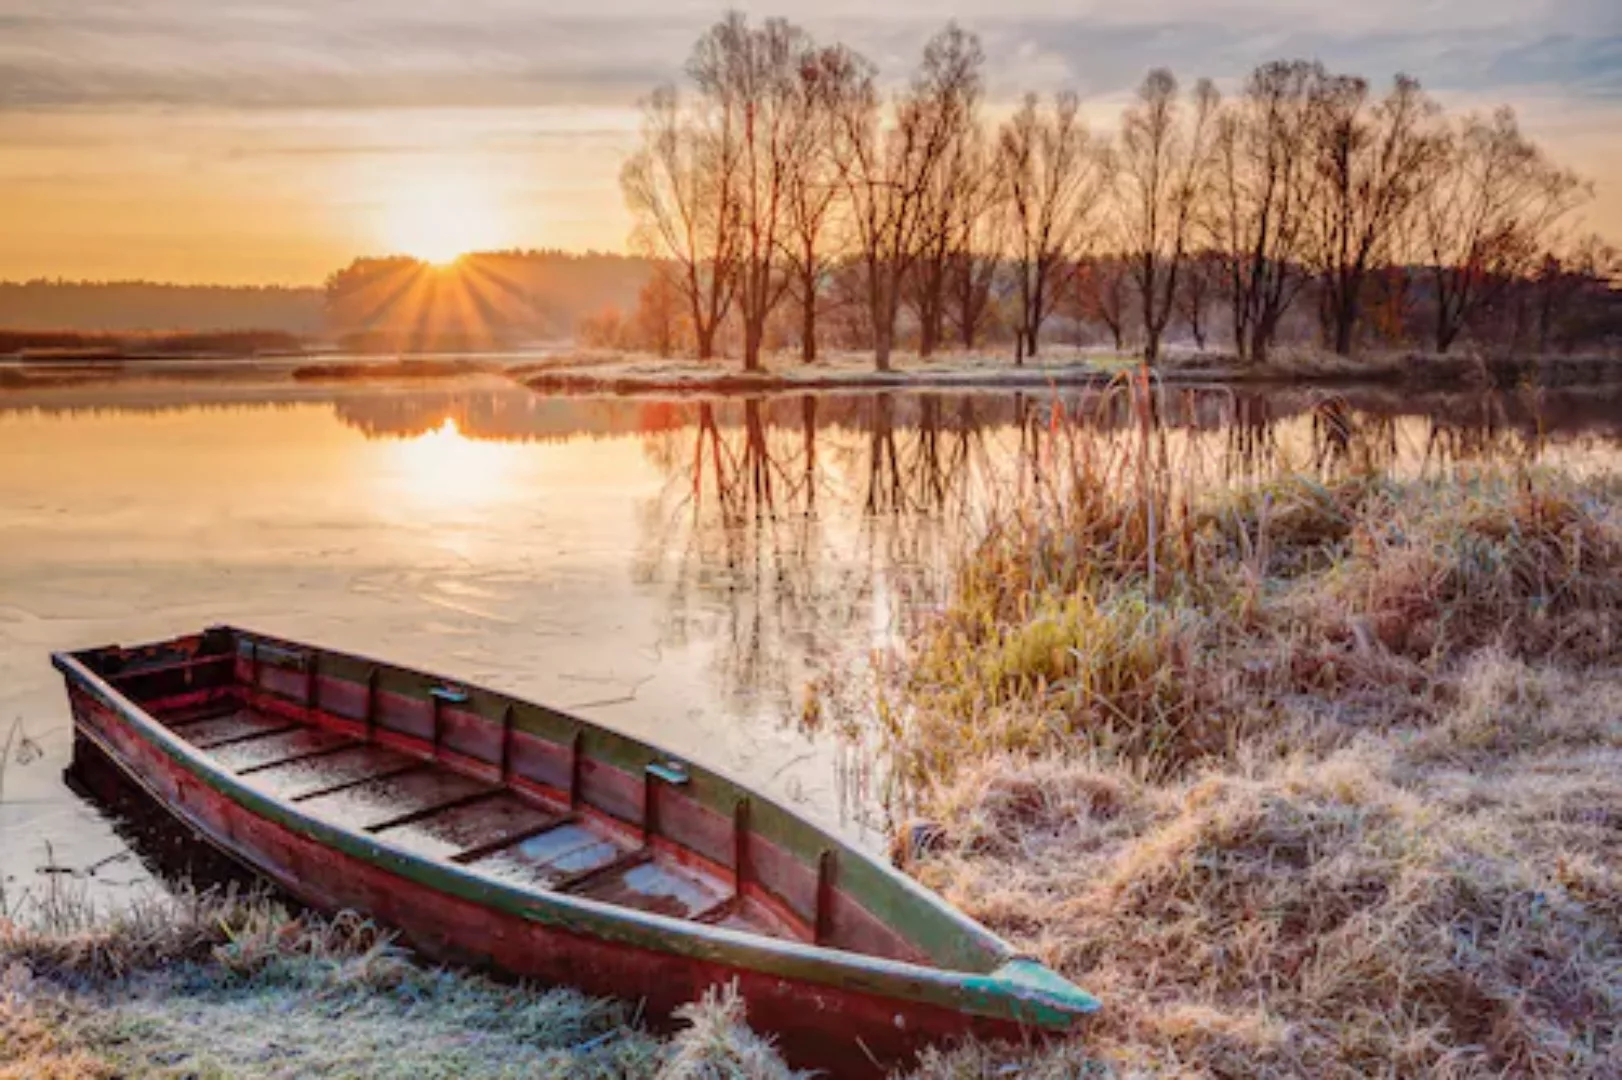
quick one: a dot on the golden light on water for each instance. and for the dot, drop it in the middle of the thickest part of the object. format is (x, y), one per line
(443, 467)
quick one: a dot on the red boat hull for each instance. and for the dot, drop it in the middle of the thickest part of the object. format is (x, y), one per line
(840, 1029)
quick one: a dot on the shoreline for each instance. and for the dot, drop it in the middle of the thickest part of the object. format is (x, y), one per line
(630, 375)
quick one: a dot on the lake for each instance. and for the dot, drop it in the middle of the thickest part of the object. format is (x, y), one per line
(714, 575)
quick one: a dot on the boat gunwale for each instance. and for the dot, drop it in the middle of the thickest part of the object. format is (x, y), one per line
(1017, 988)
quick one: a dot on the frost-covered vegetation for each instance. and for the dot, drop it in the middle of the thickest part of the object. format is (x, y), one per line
(1317, 777)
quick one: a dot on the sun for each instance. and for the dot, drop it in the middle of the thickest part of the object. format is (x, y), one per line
(440, 218)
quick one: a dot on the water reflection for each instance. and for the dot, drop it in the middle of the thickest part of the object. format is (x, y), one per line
(443, 468)
(682, 568)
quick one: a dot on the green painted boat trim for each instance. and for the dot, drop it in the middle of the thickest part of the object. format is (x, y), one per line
(1019, 989)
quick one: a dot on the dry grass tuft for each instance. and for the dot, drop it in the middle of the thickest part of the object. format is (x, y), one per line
(1321, 920)
(1064, 1061)
(1321, 777)
(30, 1046)
(1146, 617)
(717, 1044)
(190, 985)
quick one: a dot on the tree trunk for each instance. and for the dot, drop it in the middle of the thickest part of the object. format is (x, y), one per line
(706, 340)
(751, 345)
(928, 330)
(881, 347)
(889, 299)
(1258, 346)
(1446, 330)
(808, 328)
(1343, 332)
(1346, 312)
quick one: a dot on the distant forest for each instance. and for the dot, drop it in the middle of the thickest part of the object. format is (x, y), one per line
(496, 299)
(486, 300)
(91, 307)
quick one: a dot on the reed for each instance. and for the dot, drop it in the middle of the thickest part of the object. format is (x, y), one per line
(1316, 776)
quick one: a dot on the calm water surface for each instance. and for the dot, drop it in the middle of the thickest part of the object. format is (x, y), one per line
(682, 570)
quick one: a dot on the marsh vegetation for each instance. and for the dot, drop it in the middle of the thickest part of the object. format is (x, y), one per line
(1310, 776)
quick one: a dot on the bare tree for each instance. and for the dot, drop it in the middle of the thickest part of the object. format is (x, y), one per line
(888, 169)
(786, 173)
(828, 80)
(1487, 214)
(1103, 294)
(956, 183)
(681, 189)
(1568, 274)
(1200, 282)
(1162, 159)
(1266, 185)
(1375, 160)
(657, 320)
(1055, 178)
(748, 78)
(976, 240)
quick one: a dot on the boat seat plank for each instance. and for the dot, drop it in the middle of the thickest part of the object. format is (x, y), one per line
(405, 769)
(245, 757)
(186, 715)
(581, 880)
(304, 777)
(238, 724)
(732, 918)
(660, 887)
(411, 817)
(318, 747)
(375, 803)
(470, 826)
(559, 854)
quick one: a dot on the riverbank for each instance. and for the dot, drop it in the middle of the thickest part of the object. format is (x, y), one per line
(1456, 371)
(595, 373)
(26, 375)
(633, 373)
(203, 985)
(1315, 778)
(598, 373)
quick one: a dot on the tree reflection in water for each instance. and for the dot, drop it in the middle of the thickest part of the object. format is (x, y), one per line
(794, 535)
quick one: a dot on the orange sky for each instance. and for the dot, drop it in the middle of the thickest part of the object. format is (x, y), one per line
(248, 142)
(223, 196)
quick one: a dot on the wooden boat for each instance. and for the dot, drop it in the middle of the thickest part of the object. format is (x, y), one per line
(497, 832)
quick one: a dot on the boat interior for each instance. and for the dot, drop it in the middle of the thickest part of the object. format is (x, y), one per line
(520, 793)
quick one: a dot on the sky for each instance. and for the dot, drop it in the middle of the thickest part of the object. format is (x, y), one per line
(243, 142)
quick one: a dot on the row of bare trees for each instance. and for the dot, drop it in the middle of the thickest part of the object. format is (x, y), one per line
(783, 174)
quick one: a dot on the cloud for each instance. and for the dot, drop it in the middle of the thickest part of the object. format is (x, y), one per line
(131, 123)
(300, 54)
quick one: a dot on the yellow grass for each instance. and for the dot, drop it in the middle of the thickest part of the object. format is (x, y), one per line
(1316, 779)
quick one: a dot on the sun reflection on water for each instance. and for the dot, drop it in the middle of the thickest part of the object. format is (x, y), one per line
(443, 467)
